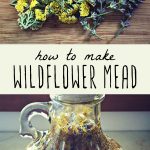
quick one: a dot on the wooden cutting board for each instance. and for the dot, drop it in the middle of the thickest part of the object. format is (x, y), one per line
(52, 32)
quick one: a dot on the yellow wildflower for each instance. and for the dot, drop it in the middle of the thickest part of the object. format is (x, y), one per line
(74, 128)
(39, 15)
(63, 17)
(65, 129)
(64, 119)
(47, 10)
(86, 110)
(76, 7)
(33, 3)
(57, 122)
(84, 130)
(73, 10)
(70, 2)
(61, 120)
(84, 9)
(21, 5)
(81, 119)
(55, 7)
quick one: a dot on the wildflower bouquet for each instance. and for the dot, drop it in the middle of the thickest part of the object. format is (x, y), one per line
(90, 13)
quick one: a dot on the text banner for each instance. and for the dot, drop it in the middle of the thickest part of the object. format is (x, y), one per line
(74, 69)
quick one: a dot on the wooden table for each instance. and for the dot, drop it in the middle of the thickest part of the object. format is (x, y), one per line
(137, 33)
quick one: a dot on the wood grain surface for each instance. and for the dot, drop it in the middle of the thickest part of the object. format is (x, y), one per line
(55, 32)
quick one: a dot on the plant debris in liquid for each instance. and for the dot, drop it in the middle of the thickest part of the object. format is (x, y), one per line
(75, 131)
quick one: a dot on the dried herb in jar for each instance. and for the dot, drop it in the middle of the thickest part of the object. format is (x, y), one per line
(76, 131)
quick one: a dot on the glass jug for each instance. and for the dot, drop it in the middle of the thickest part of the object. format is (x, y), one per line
(74, 124)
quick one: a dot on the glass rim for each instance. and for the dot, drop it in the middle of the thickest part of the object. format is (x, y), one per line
(78, 98)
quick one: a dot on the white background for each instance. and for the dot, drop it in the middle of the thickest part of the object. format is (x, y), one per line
(137, 55)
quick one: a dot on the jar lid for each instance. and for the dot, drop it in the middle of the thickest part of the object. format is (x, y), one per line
(78, 98)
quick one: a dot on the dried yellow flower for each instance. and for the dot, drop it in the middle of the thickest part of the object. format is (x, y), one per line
(73, 10)
(61, 120)
(47, 10)
(70, 2)
(55, 7)
(76, 7)
(63, 17)
(33, 4)
(84, 9)
(81, 119)
(40, 15)
(64, 118)
(21, 5)
(74, 128)
(65, 129)
(86, 110)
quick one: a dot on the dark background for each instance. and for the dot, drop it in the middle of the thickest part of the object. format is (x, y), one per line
(111, 102)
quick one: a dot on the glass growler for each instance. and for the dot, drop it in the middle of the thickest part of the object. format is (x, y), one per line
(74, 124)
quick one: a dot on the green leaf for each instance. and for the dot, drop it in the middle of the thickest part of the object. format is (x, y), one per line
(13, 2)
(27, 20)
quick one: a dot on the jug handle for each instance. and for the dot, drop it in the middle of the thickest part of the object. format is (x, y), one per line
(37, 108)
